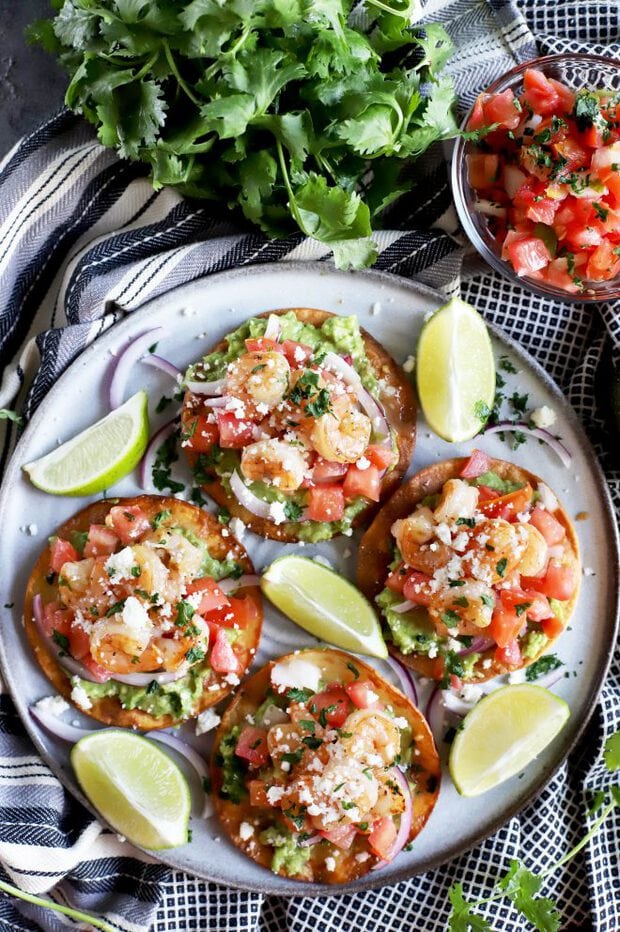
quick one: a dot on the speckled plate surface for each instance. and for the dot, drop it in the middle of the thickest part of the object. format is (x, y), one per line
(196, 316)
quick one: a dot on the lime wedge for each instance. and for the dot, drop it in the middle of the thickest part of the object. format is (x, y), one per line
(328, 606)
(136, 787)
(455, 371)
(99, 456)
(503, 734)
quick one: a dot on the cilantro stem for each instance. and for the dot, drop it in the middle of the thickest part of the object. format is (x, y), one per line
(411, 8)
(584, 841)
(49, 904)
(289, 190)
(229, 53)
(175, 71)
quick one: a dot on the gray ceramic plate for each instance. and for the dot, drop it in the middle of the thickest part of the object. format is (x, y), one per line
(392, 309)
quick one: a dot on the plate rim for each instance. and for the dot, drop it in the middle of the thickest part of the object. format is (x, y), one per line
(611, 618)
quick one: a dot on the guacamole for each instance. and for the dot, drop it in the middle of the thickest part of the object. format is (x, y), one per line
(233, 771)
(411, 631)
(533, 643)
(287, 856)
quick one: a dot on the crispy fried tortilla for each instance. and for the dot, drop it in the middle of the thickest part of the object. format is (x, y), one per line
(400, 410)
(376, 552)
(109, 709)
(423, 775)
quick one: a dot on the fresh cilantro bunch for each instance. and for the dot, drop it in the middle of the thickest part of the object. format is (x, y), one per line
(295, 111)
(521, 885)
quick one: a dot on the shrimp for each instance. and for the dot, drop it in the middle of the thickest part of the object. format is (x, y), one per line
(470, 605)
(259, 381)
(413, 531)
(374, 737)
(343, 792)
(458, 499)
(183, 557)
(343, 433)
(275, 462)
(534, 557)
(494, 551)
(427, 558)
(390, 799)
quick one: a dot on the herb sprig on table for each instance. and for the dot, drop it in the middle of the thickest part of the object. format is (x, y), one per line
(276, 108)
(520, 885)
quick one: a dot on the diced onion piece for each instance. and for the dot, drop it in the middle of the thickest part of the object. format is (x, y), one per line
(402, 607)
(158, 362)
(514, 179)
(247, 498)
(406, 817)
(273, 328)
(369, 404)
(406, 679)
(231, 585)
(216, 402)
(146, 466)
(205, 388)
(539, 432)
(307, 842)
(123, 365)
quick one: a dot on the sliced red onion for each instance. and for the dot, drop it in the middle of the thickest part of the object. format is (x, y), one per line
(231, 585)
(406, 817)
(550, 679)
(158, 362)
(206, 388)
(310, 841)
(489, 208)
(454, 703)
(193, 758)
(273, 328)
(477, 646)
(124, 363)
(539, 432)
(219, 401)
(56, 726)
(246, 498)
(369, 404)
(434, 714)
(402, 607)
(406, 679)
(146, 466)
(143, 679)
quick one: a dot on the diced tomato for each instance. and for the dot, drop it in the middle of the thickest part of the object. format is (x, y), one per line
(201, 436)
(543, 211)
(363, 482)
(567, 97)
(486, 494)
(592, 136)
(129, 522)
(582, 237)
(244, 611)
(417, 588)
(397, 578)
(334, 703)
(342, 836)
(326, 503)
(61, 552)
(604, 263)
(477, 464)
(510, 655)
(99, 673)
(572, 152)
(101, 541)
(526, 604)
(483, 170)
(552, 627)
(235, 432)
(222, 657)
(252, 746)
(558, 275)
(603, 160)
(79, 641)
(296, 353)
(529, 255)
(325, 471)
(551, 529)
(212, 596)
(559, 582)
(258, 793)
(540, 94)
(505, 623)
(261, 345)
(56, 618)
(507, 506)
(539, 609)
(477, 119)
(381, 839)
(380, 456)
(503, 108)
(456, 682)
(362, 694)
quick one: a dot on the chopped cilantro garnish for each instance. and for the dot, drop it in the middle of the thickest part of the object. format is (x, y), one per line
(543, 665)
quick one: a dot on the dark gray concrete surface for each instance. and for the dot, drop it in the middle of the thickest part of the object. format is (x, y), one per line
(32, 86)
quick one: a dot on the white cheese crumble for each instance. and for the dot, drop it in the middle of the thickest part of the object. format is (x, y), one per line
(517, 676)
(119, 565)
(543, 416)
(330, 864)
(79, 695)
(470, 693)
(277, 513)
(136, 617)
(245, 831)
(55, 705)
(207, 721)
(375, 308)
(363, 463)
(409, 364)
(274, 794)
(296, 673)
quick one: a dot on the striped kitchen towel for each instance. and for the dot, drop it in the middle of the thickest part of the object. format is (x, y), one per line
(85, 240)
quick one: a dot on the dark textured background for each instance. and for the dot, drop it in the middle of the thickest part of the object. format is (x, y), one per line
(32, 86)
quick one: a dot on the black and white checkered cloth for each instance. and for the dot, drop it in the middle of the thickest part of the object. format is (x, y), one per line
(84, 239)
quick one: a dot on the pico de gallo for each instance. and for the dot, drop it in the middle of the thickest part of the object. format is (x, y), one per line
(485, 571)
(142, 600)
(547, 177)
(316, 767)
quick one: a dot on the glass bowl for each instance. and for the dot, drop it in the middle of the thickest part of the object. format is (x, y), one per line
(577, 71)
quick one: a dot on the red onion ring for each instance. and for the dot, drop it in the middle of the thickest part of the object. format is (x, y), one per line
(477, 646)
(57, 727)
(246, 498)
(406, 818)
(540, 433)
(402, 607)
(434, 714)
(369, 404)
(146, 466)
(406, 679)
(158, 362)
(229, 585)
(205, 388)
(124, 363)
(310, 841)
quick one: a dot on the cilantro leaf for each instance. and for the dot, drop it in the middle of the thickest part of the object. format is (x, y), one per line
(521, 886)
(612, 752)
(462, 919)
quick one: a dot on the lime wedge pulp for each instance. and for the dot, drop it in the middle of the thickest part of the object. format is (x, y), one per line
(455, 371)
(503, 734)
(136, 787)
(98, 457)
(328, 606)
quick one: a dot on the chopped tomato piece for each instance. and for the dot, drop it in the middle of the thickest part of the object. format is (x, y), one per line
(381, 839)
(477, 464)
(552, 627)
(540, 94)
(56, 619)
(363, 482)
(526, 604)
(79, 641)
(477, 118)
(604, 262)
(559, 581)
(486, 494)
(296, 353)
(61, 552)
(223, 658)
(505, 623)
(483, 170)
(510, 655)
(326, 503)
(101, 541)
(571, 152)
(212, 596)
(503, 108)
(252, 746)
(200, 435)
(567, 97)
(417, 588)
(507, 506)
(362, 694)
(258, 793)
(603, 160)
(381, 456)
(342, 836)
(529, 255)
(330, 707)
(397, 578)
(99, 673)
(456, 682)
(551, 529)
(243, 609)
(129, 522)
(543, 211)
(326, 471)
(539, 609)
(261, 345)
(234, 432)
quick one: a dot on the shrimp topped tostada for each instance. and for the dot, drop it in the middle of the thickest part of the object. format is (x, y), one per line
(299, 423)
(144, 611)
(475, 567)
(322, 770)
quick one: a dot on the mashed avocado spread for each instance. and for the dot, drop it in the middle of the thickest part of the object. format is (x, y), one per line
(286, 856)
(411, 631)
